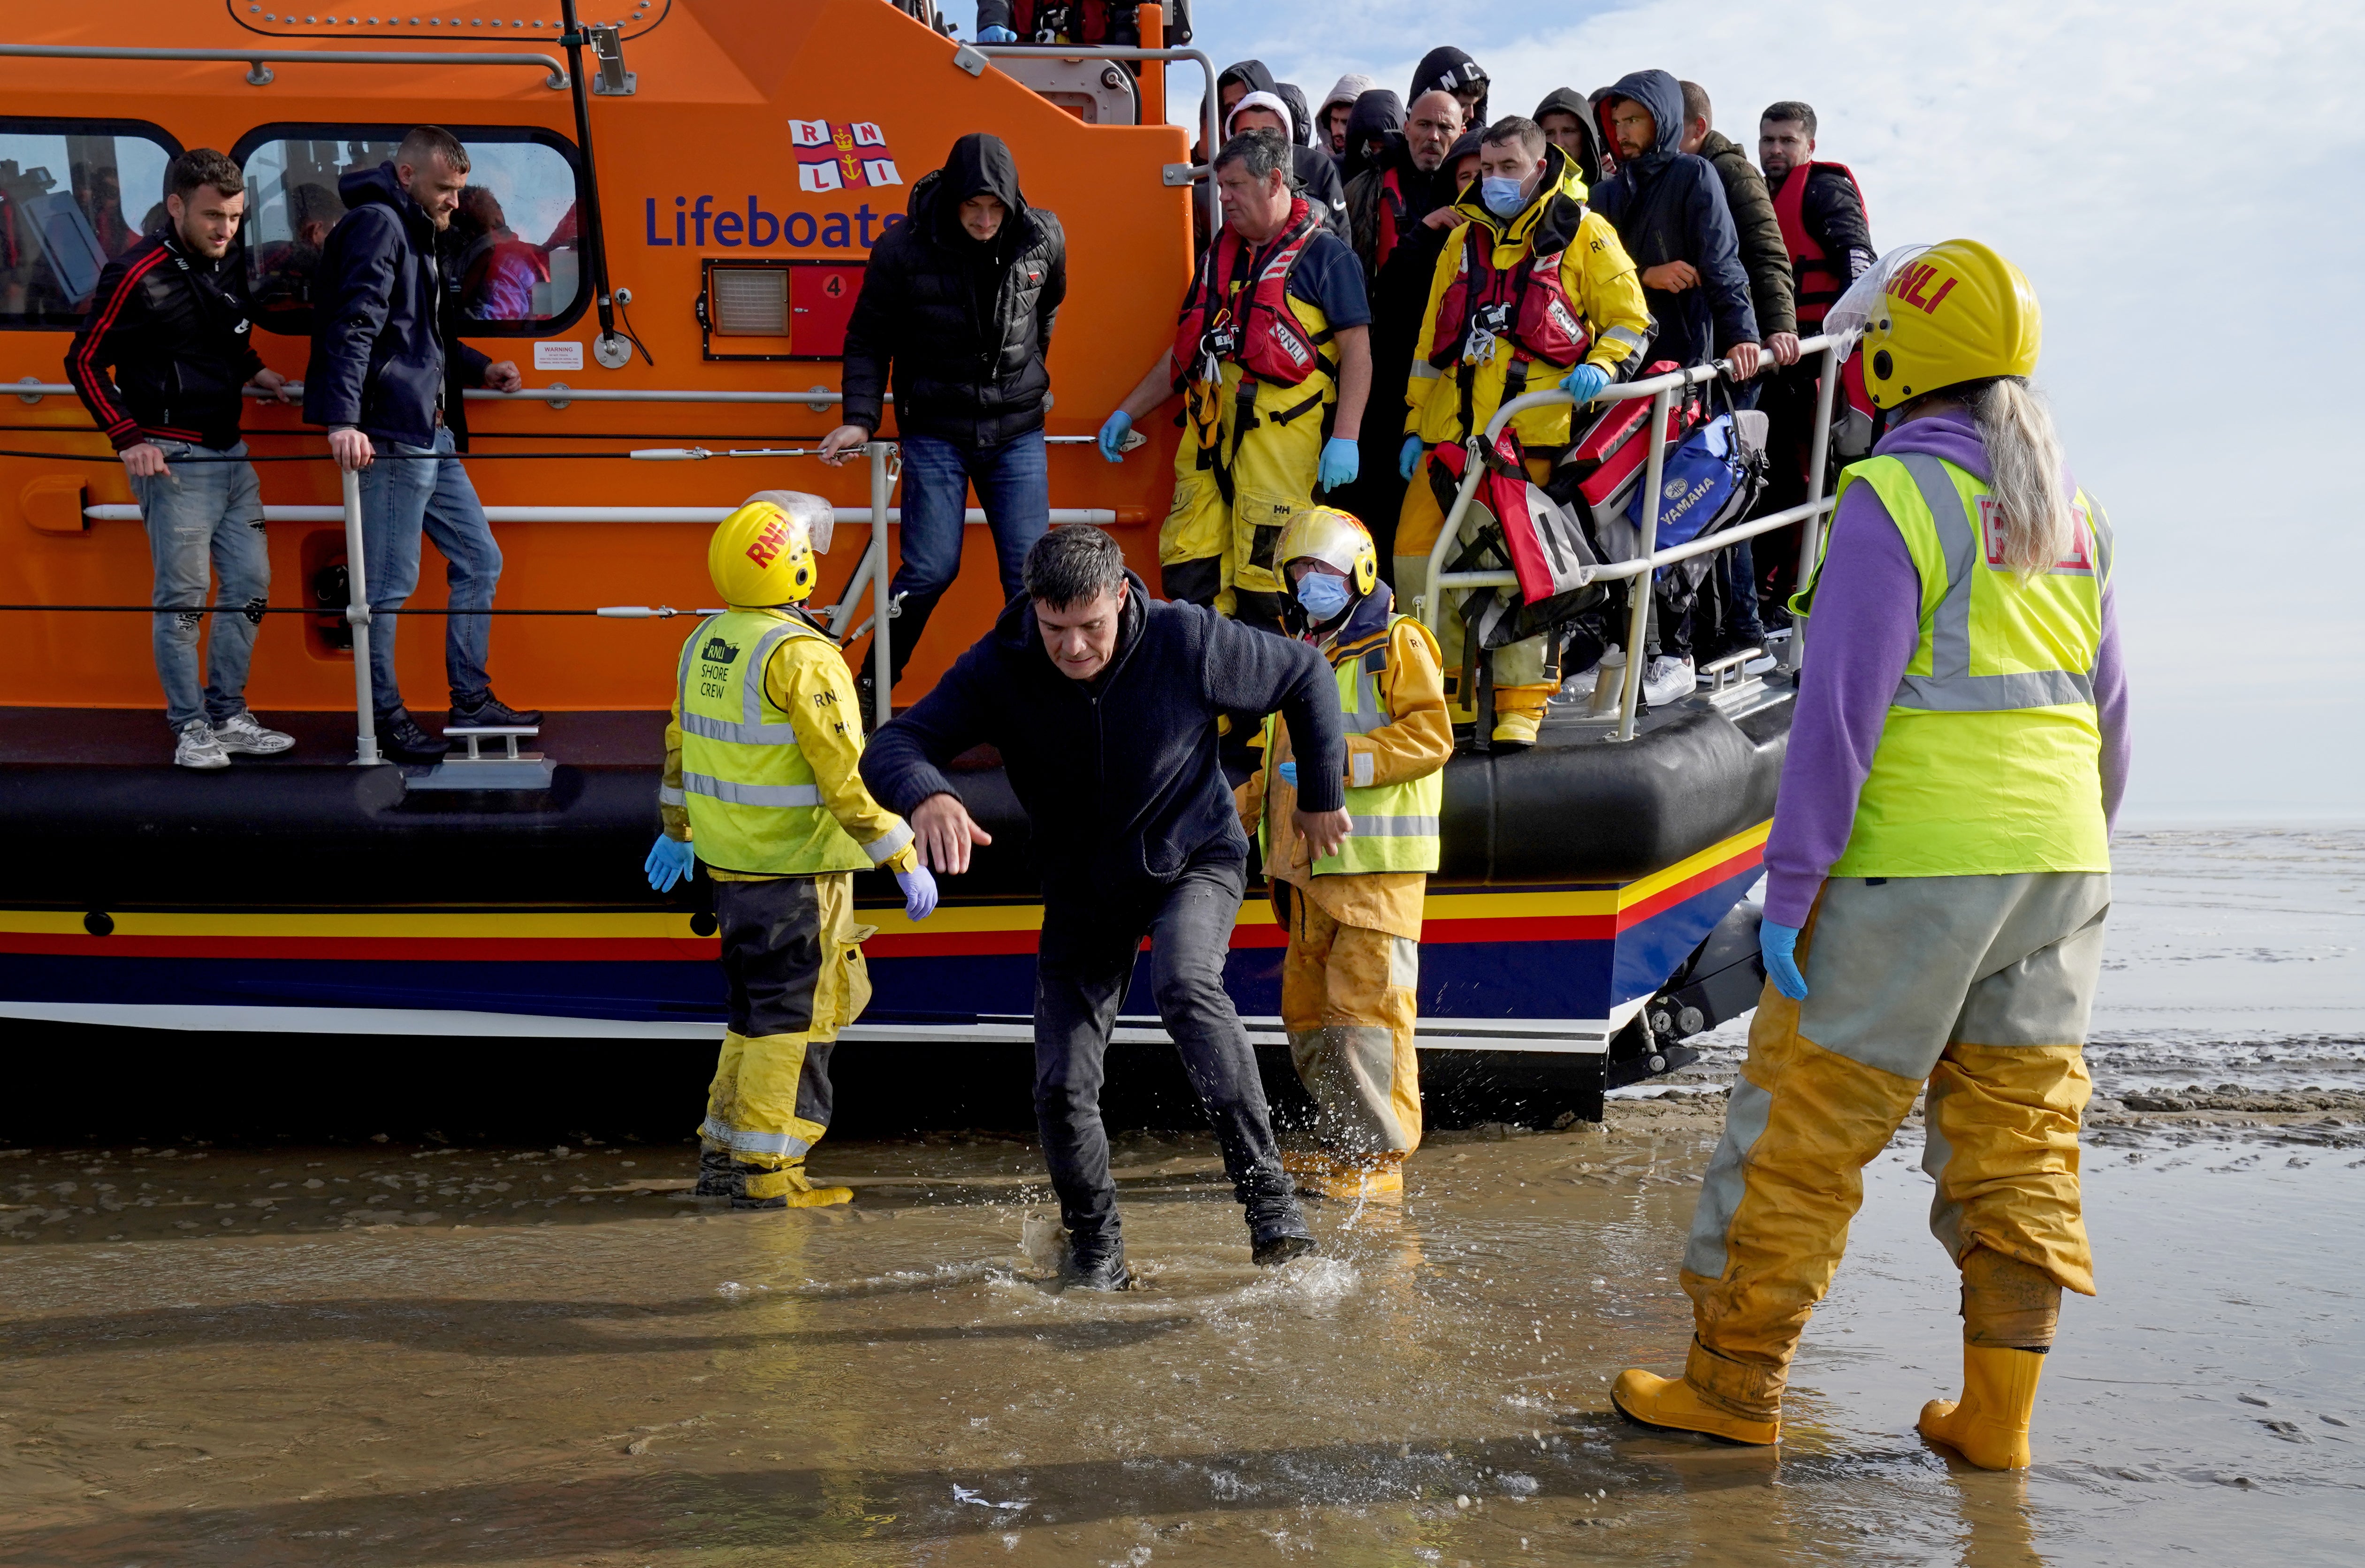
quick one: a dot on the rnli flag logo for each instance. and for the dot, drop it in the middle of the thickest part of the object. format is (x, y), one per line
(717, 651)
(832, 156)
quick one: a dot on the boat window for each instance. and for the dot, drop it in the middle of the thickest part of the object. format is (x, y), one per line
(511, 258)
(74, 195)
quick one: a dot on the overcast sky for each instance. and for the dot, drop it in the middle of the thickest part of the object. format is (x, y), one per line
(2181, 181)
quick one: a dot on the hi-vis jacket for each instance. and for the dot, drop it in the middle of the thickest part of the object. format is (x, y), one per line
(1989, 760)
(1392, 699)
(763, 753)
(1457, 386)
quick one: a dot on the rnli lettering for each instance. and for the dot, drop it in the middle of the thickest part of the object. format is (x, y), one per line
(1907, 288)
(769, 544)
(746, 224)
(1991, 534)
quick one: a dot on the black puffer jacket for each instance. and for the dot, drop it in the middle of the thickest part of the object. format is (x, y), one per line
(1118, 775)
(964, 326)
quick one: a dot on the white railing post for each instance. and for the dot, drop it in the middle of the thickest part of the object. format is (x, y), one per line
(882, 662)
(357, 616)
(1811, 530)
(1638, 586)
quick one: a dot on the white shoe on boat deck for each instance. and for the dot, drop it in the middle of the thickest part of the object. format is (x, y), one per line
(239, 733)
(1668, 680)
(199, 747)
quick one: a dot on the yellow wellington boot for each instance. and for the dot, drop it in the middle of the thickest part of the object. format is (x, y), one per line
(1515, 729)
(1309, 1169)
(1378, 1176)
(788, 1188)
(1989, 1426)
(1650, 1400)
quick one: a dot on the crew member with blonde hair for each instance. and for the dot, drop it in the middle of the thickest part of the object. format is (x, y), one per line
(1353, 915)
(1503, 319)
(762, 786)
(1936, 881)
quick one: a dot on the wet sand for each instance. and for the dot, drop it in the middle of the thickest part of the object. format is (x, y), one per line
(388, 1354)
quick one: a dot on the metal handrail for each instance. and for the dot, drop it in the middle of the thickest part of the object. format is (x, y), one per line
(816, 398)
(1661, 390)
(1209, 129)
(258, 60)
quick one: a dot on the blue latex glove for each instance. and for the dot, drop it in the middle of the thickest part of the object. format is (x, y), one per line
(1584, 381)
(1113, 430)
(919, 892)
(992, 35)
(669, 861)
(1779, 946)
(1341, 461)
(1408, 460)
(1288, 771)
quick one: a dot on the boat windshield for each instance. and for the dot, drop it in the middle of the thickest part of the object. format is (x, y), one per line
(72, 197)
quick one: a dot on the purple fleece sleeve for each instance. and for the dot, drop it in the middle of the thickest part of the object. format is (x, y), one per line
(2110, 709)
(1867, 618)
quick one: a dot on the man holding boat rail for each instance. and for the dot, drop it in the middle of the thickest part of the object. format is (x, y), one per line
(170, 320)
(761, 785)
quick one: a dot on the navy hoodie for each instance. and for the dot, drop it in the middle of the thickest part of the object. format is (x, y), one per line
(1118, 775)
(1669, 206)
(378, 358)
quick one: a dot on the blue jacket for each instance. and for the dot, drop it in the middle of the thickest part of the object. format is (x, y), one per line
(1118, 775)
(1669, 206)
(378, 349)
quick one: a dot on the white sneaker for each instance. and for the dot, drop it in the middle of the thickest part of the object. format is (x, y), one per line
(1668, 680)
(239, 733)
(199, 748)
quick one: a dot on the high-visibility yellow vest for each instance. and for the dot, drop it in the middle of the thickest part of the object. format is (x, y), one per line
(753, 802)
(1991, 761)
(1396, 824)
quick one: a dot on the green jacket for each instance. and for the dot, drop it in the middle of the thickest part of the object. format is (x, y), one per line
(1772, 290)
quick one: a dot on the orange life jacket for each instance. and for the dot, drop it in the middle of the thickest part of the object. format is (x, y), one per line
(1263, 336)
(1820, 282)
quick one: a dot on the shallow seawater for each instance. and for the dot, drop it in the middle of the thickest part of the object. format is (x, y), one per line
(556, 1357)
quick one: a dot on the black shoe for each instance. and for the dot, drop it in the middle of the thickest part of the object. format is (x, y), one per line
(399, 737)
(492, 712)
(1276, 1250)
(718, 1176)
(1097, 1263)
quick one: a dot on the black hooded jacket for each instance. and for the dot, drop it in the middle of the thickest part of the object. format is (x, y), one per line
(1569, 101)
(1118, 775)
(1375, 122)
(1313, 172)
(1447, 71)
(1669, 206)
(964, 325)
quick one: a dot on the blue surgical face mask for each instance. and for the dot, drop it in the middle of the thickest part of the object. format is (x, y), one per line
(1502, 195)
(1322, 595)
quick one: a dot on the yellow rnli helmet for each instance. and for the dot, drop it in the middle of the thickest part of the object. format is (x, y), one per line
(1333, 537)
(766, 552)
(1956, 312)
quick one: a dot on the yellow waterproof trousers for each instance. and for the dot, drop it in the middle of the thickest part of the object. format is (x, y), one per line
(1979, 987)
(1346, 998)
(1211, 551)
(1527, 673)
(792, 959)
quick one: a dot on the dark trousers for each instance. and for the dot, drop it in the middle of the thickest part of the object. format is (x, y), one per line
(1091, 938)
(1014, 488)
(1789, 404)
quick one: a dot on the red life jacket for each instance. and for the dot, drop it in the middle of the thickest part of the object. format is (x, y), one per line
(1397, 218)
(1263, 337)
(1525, 306)
(1820, 282)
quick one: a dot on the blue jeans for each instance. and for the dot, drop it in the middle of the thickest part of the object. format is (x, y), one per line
(1014, 487)
(195, 514)
(399, 500)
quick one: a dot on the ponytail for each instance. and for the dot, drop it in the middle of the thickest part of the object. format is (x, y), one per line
(2024, 459)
